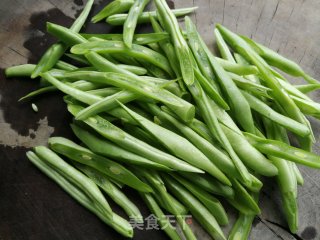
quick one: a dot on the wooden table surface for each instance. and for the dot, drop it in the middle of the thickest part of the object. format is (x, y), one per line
(33, 207)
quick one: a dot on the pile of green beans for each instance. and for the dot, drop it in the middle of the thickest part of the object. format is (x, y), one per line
(158, 112)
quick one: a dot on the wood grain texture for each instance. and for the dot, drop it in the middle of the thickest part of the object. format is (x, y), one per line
(32, 207)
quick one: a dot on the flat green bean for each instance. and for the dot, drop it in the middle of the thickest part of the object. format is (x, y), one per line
(182, 50)
(118, 223)
(54, 53)
(109, 149)
(198, 210)
(112, 191)
(114, 47)
(116, 135)
(117, 6)
(130, 23)
(179, 146)
(283, 150)
(102, 164)
(119, 19)
(213, 205)
(76, 178)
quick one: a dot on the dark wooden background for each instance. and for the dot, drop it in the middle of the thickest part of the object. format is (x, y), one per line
(33, 207)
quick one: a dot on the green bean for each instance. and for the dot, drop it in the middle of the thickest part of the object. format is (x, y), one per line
(180, 146)
(65, 66)
(102, 164)
(75, 177)
(198, 210)
(286, 180)
(121, 225)
(217, 157)
(52, 55)
(283, 150)
(243, 198)
(242, 227)
(134, 69)
(182, 50)
(77, 94)
(143, 135)
(162, 219)
(288, 105)
(130, 23)
(170, 85)
(211, 203)
(78, 58)
(156, 182)
(293, 91)
(211, 91)
(64, 34)
(108, 149)
(298, 174)
(140, 38)
(209, 184)
(238, 104)
(116, 135)
(307, 107)
(37, 92)
(262, 108)
(23, 70)
(200, 55)
(223, 47)
(104, 92)
(252, 158)
(179, 208)
(169, 51)
(252, 87)
(275, 59)
(136, 51)
(184, 109)
(237, 68)
(106, 104)
(155, 71)
(113, 192)
(119, 19)
(211, 120)
(308, 87)
(117, 6)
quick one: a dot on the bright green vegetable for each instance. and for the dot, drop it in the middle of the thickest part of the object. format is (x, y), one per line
(198, 210)
(113, 192)
(117, 6)
(116, 135)
(209, 184)
(262, 108)
(236, 68)
(283, 150)
(54, 53)
(130, 23)
(139, 38)
(121, 225)
(162, 219)
(275, 59)
(179, 146)
(184, 109)
(102, 164)
(115, 47)
(237, 103)
(156, 182)
(109, 149)
(213, 205)
(283, 99)
(76, 177)
(144, 17)
(183, 53)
